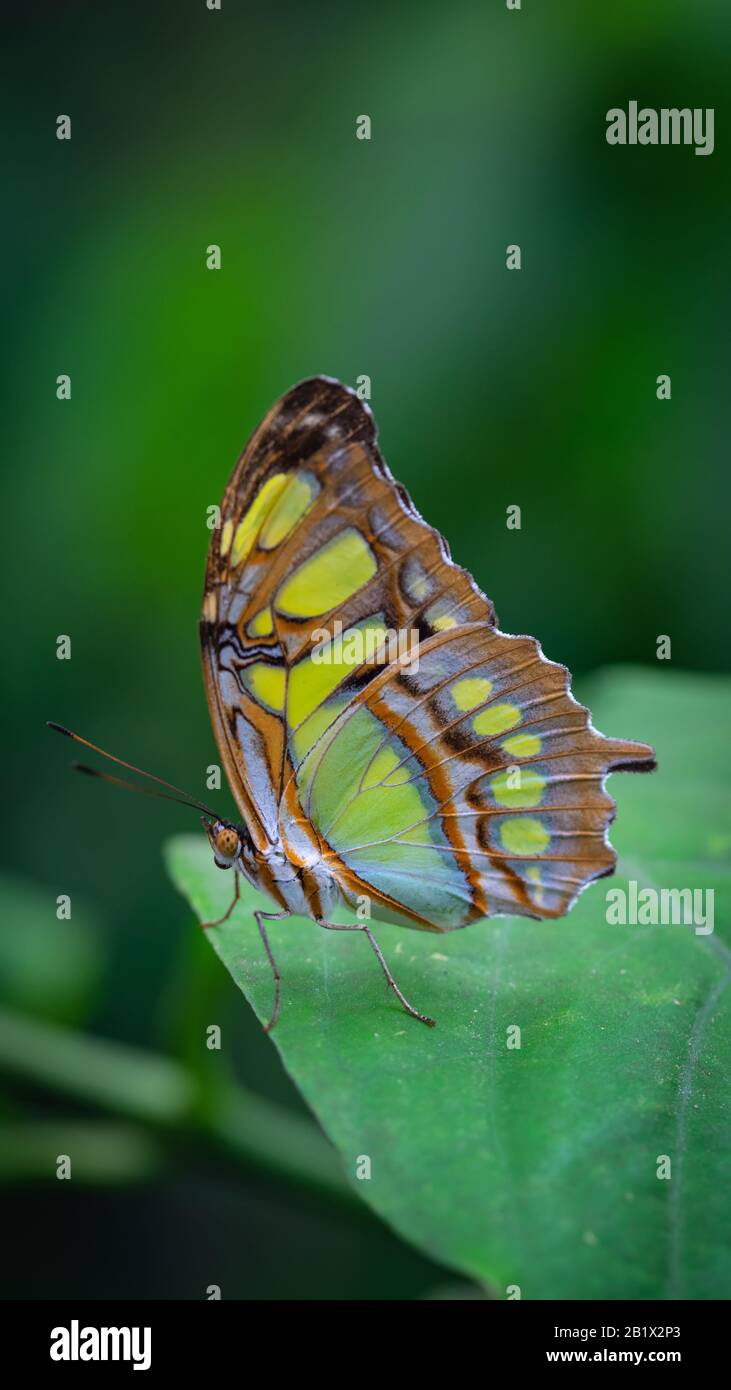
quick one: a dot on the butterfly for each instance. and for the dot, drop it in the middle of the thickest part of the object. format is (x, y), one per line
(429, 782)
(389, 749)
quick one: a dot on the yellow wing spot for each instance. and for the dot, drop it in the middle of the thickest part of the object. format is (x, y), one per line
(522, 745)
(266, 684)
(470, 692)
(313, 728)
(416, 584)
(210, 606)
(248, 529)
(496, 719)
(386, 767)
(523, 835)
(262, 624)
(227, 531)
(518, 788)
(329, 577)
(534, 877)
(444, 614)
(288, 510)
(311, 681)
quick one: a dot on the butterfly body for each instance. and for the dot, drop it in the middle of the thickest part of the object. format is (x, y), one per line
(303, 889)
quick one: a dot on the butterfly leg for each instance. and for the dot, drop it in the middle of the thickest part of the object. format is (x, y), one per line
(261, 918)
(229, 910)
(336, 926)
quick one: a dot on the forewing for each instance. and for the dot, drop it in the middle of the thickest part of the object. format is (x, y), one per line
(314, 532)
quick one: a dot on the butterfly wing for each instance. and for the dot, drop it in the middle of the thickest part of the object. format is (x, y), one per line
(313, 529)
(470, 787)
(468, 784)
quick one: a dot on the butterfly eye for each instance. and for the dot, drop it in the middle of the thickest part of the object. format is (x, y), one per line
(227, 843)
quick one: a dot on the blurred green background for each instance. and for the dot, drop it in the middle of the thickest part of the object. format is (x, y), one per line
(490, 388)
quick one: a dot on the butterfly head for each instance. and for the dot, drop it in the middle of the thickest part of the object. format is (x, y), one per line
(225, 841)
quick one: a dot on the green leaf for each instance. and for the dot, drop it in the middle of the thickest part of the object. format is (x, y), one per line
(536, 1166)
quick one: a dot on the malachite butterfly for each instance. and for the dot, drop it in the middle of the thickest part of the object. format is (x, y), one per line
(462, 783)
(426, 782)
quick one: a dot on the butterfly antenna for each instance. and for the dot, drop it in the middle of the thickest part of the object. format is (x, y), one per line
(180, 796)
